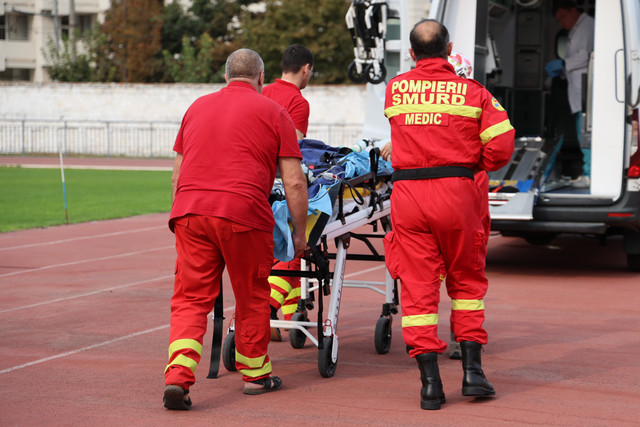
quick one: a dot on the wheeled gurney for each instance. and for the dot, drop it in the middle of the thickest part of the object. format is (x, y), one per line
(358, 201)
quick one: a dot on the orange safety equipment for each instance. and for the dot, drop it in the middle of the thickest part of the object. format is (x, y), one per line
(443, 128)
(285, 291)
(205, 244)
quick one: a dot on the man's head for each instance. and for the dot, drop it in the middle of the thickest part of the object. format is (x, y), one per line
(566, 13)
(429, 39)
(297, 65)
(245, 65)
(295, 57)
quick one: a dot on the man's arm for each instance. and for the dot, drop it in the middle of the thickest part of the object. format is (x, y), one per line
(295, 188)
(175, 175)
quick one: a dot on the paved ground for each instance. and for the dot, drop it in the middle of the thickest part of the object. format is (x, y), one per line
(84, 327)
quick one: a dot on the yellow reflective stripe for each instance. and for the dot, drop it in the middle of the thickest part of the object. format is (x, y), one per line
(253, 373)
(467, 304)
(280, 282)
(252, 362)
(289, 309)
(419, 320)
(277, 296)
(181, 344)
(455, 110)
(182, 360)
(294, 293)
(495, 130)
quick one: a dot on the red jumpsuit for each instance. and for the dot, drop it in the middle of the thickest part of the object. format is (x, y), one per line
(230, 143)
(440, 119)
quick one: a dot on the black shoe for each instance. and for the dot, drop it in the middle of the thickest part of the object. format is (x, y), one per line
(175, 397)
(431, 393)
(263, 385)
(474, 383)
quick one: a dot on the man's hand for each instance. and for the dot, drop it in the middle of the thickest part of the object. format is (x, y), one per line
(386, 151)
(299, 244)
(295, 189)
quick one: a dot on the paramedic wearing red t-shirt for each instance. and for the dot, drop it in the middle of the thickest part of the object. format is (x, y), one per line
(297, 68)
(444, 128)
(228, 147)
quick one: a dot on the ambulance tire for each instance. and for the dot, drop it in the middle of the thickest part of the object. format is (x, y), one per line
(229, 352)
(633, 262)
(371, 75)
(352, 72)
(382, 336)
(326, 366)
(297, 338)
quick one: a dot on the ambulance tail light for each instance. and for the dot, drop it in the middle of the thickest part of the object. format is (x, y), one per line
(634, 164)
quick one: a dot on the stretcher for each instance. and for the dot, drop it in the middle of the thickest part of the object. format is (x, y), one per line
(357, 202)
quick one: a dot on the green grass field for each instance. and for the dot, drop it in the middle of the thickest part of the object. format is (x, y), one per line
(32, 198)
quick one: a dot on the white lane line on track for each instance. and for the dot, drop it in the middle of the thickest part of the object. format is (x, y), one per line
(99, 167)
(368, 270)
(74, 239)
(66, 264)
(90, 347)
(79, 350)
(126, 285)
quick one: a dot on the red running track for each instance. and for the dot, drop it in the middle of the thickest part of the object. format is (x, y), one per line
(84, 313)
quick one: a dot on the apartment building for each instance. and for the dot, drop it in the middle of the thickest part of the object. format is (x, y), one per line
(26, 26)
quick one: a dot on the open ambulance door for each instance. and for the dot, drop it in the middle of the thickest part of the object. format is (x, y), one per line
(631, 22)
(515, 187)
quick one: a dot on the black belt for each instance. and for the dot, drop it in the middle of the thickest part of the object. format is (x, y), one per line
(432, 173)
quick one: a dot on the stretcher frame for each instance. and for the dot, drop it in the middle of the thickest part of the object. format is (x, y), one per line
(316, 276)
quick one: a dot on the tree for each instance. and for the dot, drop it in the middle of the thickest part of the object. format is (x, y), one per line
(198, 64)
(134, 33)
(319, 25)
(80, 58)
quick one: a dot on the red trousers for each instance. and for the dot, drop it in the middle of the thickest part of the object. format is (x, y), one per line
(436, 222)
(285, 291)
(204, 246)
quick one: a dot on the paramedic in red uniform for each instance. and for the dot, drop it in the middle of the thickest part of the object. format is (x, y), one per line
(444, 128)
(228, 148)
(297, 68)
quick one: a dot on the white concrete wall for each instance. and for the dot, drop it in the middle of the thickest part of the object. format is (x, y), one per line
(139, 102)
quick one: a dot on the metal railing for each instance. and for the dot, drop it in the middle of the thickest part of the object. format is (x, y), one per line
(122, 139)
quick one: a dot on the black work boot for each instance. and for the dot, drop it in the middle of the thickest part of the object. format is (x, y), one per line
(474, 383)
(431, 394)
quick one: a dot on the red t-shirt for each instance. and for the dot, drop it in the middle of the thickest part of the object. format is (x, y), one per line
(289, 96)
(231, 141)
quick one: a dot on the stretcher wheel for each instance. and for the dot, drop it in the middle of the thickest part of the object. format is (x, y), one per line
(326, 366)
(297, 338)
(352, 72)
(372, 77)
(382, 337)
(229, 352)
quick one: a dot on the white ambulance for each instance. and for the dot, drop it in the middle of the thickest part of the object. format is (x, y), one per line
(509, 42)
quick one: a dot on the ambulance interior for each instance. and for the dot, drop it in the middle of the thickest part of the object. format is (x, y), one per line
(509, 43)
(521, 41)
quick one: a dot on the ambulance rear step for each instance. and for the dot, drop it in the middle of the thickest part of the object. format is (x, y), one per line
(513, 189)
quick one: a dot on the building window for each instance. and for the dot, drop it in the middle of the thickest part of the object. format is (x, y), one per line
(83, 23)
(14, 26)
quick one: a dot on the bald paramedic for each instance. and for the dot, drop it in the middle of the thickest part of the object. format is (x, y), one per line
(228, 148)
(444, 129)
